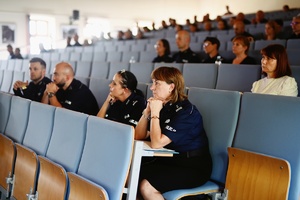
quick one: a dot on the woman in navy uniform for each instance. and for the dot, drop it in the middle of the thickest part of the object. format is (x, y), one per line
(125, 102)
(171, 121)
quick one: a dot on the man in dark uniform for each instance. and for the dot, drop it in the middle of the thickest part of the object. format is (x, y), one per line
(185, 54)
(67, 92)
(35, 89)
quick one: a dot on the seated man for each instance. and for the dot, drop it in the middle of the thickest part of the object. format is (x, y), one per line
(67, 92)
(185, 54)
(239, 29)
(296, 27)
(35, 89)
(211, 47)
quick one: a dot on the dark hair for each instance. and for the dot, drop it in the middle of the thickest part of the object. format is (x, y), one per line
(212, 40)
(167, 46)
(245, 41)
(41, 61)
(278, 52)
(129, 81)
(171, 75)
(9, 46)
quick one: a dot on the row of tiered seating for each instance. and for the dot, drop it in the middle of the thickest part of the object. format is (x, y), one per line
(80, 144)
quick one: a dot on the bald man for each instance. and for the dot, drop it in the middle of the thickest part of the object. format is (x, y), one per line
(185, 54)
(67, 92)
(239, 29)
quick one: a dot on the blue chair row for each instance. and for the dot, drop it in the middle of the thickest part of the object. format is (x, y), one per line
(264, 124)
(47, 143)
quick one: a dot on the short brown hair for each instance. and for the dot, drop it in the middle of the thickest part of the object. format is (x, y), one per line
(278, 52)
(244, 40)
(171, 75)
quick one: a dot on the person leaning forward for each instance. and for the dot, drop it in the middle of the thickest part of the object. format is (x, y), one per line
(67, 92)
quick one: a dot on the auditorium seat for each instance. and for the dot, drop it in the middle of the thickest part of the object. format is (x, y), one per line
(138, 47)
(65, 56)
(292, 44)
(123, 48)
(113, 56)
(296, 74)
(18, 65)
(3, 64)
(5, 101)
(99, 56)
(11, 64)
(25, 65)
(200, 75)
(143, 87)
(17, 76)
(293, 56)
(107, 155)
(260, 44)
(237, 77)
(99, 69)
(276, 138)
(142, 71)
(147, 56)
(54, 56)
(89, 49)
(83, 68)
(100, 89)
(74, 56)
(67, 139)
(219, 110)
(114, 67)
(176, 65)
(87, 56)
(130, 56)
(6, 80)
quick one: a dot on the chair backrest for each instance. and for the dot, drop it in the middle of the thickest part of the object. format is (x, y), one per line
(107, 154)
(52, 181)
(39, 128)
(18, 65)
(78, 187)
(269, 124)
(143, 87)
(200, 75)
(18, 118)
(5, 101)
(142, 71)
(220, 110)
(296, 74)
(127, 56)
(4, 64)
(99, 69)
(11, 64)
(114, 67)
(25, 172)
(65, 56)
(147, 56)
(292, 44)
(87, 56)
(54, 56)
(260, 44)
(75, 56)
(100, 89)
(83, 68)
(176, 65)
(237, 77)
(67, 139)
(293, 55)
(25, 65)
(99, 56)
(256, 176)
(7, 80)
(113, 56)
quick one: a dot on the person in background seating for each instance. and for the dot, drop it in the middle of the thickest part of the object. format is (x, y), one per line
(240, 47)
(271, 30)
(10, 51)
(185, 54)
(35, 89)
(69, 41)
(259, 18)
(211, 48)
(124, 103)
(296, 27)
(163, 51)
(241, 17)
(18, 53)
(239, 29)
(171, 121)
(67, 92)
(277, 72)
(75, 38)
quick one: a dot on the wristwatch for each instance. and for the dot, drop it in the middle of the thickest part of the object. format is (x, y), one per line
(51, 94)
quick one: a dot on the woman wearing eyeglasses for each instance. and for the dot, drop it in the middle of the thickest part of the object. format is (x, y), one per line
(124, 103)
(277, 71)
(163, 51)
(296, 27)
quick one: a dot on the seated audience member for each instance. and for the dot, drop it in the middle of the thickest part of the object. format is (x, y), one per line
(120, 35)
(277, 71)
(239, 29)
(185, 54)
(171, 121)
(75, 38)
(240, 47)
(271, 30)
(193, 28)
(10, 51)
(241, 17)
(207, 26)
(187, 22)
(86, 42)
(211, 47)
(231, 22)
(67, 92)
(296, 27)
(153, 26)
(128, 35)
(286, 8)
(164, 25)
(35, 89)
(140, 35)
(259, 18)
(18, 53)
(172, 22)
(222, 24)
(163, 51)
(69, 41)
(178, 27)
(124, 103)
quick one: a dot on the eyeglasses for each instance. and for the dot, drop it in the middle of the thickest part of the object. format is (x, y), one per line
(156, 45)
(294, 23)
(206, 44)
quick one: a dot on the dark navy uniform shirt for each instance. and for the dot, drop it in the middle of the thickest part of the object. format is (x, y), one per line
(127, 112)
(187, 56)
(33, 91)
(182, 123)
(164, 58)
(78, 97)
